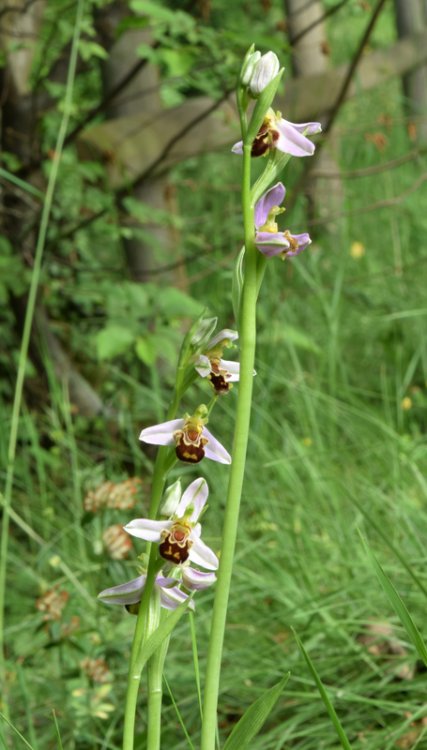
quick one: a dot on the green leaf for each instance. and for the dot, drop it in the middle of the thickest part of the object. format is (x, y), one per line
(325, 697)
(237, 284)
(173, 303)
(254, 717)
(165, 628)
(146, 350)
(295, 337)
(113, 340)
(398, 605)
(276, 163)
(154, 10)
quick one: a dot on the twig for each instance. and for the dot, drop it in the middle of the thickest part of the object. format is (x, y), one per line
(320, 19)
(368, 171)
(124, 191)
(372, 206)
(14, 9)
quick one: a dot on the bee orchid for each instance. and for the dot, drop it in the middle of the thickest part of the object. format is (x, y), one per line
(190, 436)
(221, 373)
(179, 536)
(287, 137)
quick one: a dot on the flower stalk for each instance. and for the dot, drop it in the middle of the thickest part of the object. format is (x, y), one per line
(247, 335)
(173, 532)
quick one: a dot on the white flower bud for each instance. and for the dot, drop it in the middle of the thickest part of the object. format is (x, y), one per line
(265, 69)
(248, 67)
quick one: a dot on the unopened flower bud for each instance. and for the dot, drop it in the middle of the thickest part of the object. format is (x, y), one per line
(248, 67)
(263, 72)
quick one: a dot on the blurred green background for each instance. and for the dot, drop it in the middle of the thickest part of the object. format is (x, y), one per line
(143, 234)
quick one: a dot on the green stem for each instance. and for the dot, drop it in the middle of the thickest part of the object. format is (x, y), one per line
(155, 694)
(150, 621)
(29, 316)
(247, 335)
(134, 675)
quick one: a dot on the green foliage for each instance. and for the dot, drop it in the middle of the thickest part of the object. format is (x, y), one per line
(254, 718)
(338, 429)
(13, 276)
(131, 310)
(399, 607)
(325, 698)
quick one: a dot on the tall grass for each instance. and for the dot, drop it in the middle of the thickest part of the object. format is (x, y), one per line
(335, 450)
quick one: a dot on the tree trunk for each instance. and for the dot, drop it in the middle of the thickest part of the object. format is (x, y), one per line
(310, 56)
(139, 97)
(410, 19)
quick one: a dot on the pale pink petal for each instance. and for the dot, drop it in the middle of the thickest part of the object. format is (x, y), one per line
(203, 366)
(171, 499)
(196, 580)
(145, 528)
(291, 141)
(214, 450)
(307, 128)
(233, 370)
(271, 243)
(172, 598)
(227, 334)
(161, 434)
(202, 555)
(126, 593)
(165, 582)
(195, 495)
(273, 197)
(238, 148)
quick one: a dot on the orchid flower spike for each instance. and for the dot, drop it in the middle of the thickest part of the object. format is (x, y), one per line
(221, 373)
(268, 239)
(179, 536)
(190, 436)
(129, 594)
(288, 137)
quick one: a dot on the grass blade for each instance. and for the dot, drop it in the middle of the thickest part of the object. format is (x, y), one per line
(391, 546)
(14, 729)
(325, 697)
(398, 605)
(254, 717)
(26, 186)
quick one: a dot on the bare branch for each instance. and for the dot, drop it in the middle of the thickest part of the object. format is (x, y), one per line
(13, 9)
(299, 187)
(368, 171)
(387, 203)
(323, 17)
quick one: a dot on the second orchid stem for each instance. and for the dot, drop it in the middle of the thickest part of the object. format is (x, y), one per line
(247, 336)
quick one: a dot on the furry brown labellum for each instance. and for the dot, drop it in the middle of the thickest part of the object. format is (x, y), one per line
(264, 140)
(176, 544)
(219, 383)
(190, 445)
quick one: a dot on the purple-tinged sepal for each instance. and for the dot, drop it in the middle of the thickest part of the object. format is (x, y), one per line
(268, 239)
(287, 137)
(129, 594)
